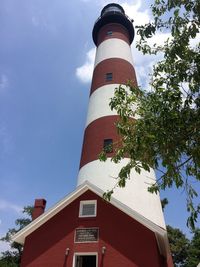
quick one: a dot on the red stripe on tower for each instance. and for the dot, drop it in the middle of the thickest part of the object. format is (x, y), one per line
(121, 70)
(95, 134)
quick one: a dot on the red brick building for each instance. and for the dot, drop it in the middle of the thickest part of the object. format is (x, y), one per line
(114, 235)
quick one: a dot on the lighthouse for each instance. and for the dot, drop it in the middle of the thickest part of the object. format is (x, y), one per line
(82, 229)
(113, 34)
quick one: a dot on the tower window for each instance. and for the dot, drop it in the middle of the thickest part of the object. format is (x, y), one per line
(108, 145)
(88, 208)
(109, 76)
(109, 33)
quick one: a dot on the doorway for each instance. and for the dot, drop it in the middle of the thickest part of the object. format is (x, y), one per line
(85, 261)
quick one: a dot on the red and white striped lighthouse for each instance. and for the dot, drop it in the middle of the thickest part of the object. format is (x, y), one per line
(78, 231)
(113, 34)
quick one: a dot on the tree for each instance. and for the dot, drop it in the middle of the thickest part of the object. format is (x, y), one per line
(166, 135)
(12, 258)
(178, 242)
(185, 252)
(194, 250)
(179, 245)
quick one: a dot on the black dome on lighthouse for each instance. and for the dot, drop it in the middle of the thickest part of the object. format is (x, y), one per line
(113, 13)
(113, 7)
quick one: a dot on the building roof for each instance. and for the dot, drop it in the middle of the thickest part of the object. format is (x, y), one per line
(160, 233)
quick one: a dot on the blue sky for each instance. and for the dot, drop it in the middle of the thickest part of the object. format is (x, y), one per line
(47, 54)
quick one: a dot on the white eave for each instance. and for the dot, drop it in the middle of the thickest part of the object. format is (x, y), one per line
(160, 233)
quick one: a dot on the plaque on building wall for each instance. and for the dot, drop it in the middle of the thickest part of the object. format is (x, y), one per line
(86, 235)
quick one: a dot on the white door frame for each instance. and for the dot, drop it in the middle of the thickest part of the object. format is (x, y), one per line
(85, 254)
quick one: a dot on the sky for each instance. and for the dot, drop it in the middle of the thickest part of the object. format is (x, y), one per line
(46, 63)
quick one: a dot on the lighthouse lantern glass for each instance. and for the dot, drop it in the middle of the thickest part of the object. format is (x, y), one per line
(112, 8)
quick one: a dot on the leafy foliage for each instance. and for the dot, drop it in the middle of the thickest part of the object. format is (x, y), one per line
(194, 250)
(185, 252)
(11, 258)
(166, 134)
(179, 245)
(164, 203)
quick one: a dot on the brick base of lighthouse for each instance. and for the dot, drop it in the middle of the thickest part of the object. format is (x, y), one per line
(125, 241)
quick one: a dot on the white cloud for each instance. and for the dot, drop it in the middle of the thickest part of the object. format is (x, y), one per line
(3, 82)
(84, 72)
(4, 246)
(6, 205)
(133, 11)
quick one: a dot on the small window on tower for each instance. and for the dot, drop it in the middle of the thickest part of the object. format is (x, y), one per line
(88, 208)
(108, 145)
(109, 33)
(109, 76)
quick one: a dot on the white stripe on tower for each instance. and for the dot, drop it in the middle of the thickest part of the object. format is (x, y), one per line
(99, 103)
(113, 33)
(113, 48)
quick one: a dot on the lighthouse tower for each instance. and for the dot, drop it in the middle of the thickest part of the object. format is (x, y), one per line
(113, 34)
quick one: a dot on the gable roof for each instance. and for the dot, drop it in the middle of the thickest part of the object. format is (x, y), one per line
(160, 233)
